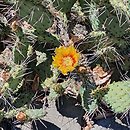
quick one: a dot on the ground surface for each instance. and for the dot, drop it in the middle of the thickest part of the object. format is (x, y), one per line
(69, 118)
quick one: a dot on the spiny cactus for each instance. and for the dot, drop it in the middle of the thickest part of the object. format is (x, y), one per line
(64, 6)
(112, 24)
(20, 47)
(35, 113)
(15, 80)
(121, 7)
(99, 29)
(31, 114)
(98, 93)
(36, 14)
(93, 106)
(84, 98)
(118, 96)
(24, 98)
(70, 86)
(93, 16)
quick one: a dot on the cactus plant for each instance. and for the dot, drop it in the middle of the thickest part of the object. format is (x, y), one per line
(64, 6)
(118, 96)
(29, 113)
(30, 72)
(121, 7)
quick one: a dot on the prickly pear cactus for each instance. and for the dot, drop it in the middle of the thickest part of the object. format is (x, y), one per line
(23, 99)
(40, 18)
(64, 6)
(20, 48)
(121, 7)
(118, 96)
(34, 69)
(29, 113)
(35, 113)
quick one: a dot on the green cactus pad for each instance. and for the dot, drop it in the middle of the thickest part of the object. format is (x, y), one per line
(12, 113)
(93, 16)
(64, 5)
(93, 106)
(118, 96)
(21, 48)
(121, 6)
(15, 81)
(32, 114)
(49, 38)
(36, 14)
(113, 25)
(84, 98)
(23, 99)
(35, 113)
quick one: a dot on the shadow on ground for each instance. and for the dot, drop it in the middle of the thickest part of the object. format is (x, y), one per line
(111, 124)
(66, 106)
(44, 125)
(67, 111)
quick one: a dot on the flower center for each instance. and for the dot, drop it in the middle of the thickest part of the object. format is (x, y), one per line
(67, 61)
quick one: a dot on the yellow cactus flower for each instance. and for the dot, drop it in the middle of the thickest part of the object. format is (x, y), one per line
(65, 59)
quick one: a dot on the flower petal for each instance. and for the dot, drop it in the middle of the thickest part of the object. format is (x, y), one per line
(65, 59)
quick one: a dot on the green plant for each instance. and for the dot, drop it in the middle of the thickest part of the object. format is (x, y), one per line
(118, 96)
(30, 31)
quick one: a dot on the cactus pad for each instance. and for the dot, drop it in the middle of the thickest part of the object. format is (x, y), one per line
(35, 113)
(118, 96)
